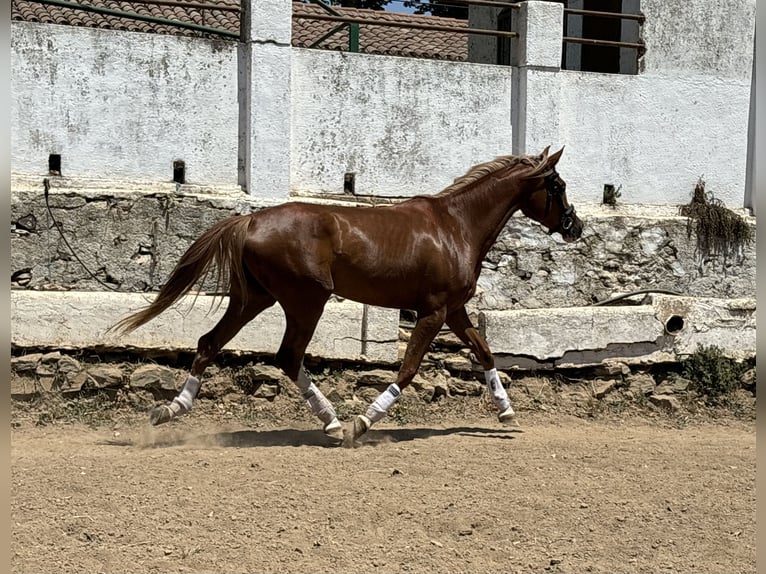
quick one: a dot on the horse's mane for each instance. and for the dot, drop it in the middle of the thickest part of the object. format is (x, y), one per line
(483, 170)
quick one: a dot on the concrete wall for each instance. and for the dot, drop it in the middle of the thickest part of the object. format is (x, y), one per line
(403, 126)
(123, 105)
(653, 135)
(684, 116)
(126, 105)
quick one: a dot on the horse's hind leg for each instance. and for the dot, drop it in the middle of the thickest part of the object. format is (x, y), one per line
(461, 325)
(208, 347)
(298, 332)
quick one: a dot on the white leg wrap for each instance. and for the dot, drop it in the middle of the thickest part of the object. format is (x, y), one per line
(496, 391)
(379, 407)
(318, 403)
(303, 381)
(183, 402)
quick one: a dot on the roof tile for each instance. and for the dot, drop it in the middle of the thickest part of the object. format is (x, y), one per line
(372, 39)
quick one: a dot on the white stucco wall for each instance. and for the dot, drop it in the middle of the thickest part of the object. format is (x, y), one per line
(123, 105)
(699, 37)
(653, 135)
(684, 116)
(403, 126)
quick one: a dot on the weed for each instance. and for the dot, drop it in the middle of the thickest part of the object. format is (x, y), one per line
(712, 374)
(92, 410)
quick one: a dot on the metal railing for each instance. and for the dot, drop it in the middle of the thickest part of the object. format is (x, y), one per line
(640, 18)
(153, 19)
(353, 23)
(350, 23)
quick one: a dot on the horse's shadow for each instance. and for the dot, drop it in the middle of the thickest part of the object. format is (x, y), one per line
(311, 438)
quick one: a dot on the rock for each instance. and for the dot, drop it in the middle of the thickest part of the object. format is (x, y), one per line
(70, 374)
(376, 378)
(340, 390)
(748, 380)
(104, 376)
(430, 389)
(153, 377)
(458, 363)
(68, 367)
(252, 377)
(51, 358)
(460, 387)
(505, 378)
(266, 391)
(26, 363)
(667, 402)
(673, 385)
(602, 388)
(265, 373)
(577, 394)
(425, 390)
(47, 384)
(46, 370)
(640, 384)
(366, 394)
(611, 368)
(73, 382)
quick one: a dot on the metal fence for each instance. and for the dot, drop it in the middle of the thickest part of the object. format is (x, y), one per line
(589, 42)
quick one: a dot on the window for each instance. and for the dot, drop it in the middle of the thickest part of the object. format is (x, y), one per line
(602, 36)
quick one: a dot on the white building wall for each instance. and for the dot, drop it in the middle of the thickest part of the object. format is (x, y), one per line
(123, 105)
(653, 135)
(684, 116)
(403, 126)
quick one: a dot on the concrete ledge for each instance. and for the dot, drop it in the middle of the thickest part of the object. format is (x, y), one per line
(662, 331)
(67, 320)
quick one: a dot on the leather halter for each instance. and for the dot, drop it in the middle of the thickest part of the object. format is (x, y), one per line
(555, 188)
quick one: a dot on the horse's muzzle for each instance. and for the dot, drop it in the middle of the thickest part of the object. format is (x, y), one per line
(573, 232)
(570, 227)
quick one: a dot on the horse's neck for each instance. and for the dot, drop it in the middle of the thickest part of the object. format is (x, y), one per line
(484, 209)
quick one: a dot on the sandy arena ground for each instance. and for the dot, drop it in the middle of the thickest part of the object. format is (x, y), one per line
(210, 494)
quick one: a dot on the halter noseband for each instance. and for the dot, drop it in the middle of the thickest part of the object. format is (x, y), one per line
(554, 187)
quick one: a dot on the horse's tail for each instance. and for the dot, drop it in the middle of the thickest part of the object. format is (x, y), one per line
(221, 246)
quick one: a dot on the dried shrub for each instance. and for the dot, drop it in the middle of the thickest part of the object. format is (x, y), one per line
(719, 231)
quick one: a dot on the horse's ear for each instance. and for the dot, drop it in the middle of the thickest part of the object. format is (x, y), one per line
(544, 155)
(554, 159)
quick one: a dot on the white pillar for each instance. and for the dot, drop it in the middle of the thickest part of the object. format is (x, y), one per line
(750, 162)
(264, 134)
(537, 54)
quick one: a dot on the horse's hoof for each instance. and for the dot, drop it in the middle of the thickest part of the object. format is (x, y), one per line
(361, 425)
(334, 432)
(508, 418)
(160, 415)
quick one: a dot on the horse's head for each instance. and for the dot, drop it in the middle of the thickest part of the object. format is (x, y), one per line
(547, 203)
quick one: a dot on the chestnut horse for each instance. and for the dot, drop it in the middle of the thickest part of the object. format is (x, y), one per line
(423, 254)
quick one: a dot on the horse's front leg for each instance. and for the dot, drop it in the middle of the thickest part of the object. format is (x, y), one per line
(460, 324)
(426, 328)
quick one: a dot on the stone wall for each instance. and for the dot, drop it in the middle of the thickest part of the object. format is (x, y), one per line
(132, 240)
